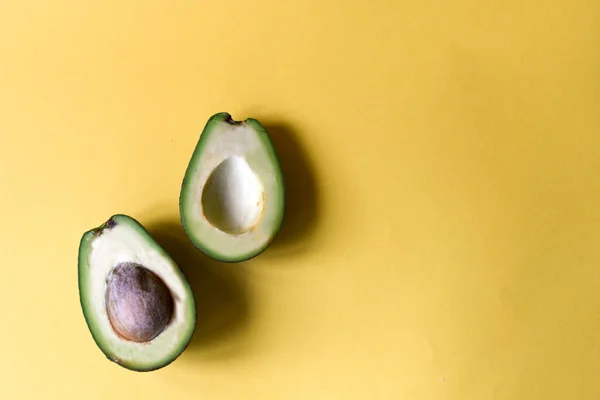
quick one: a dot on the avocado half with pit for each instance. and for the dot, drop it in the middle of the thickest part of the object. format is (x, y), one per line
(136, 301)
(232, 195)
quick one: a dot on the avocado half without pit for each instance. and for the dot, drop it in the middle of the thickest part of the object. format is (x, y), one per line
(232, 195)
(136, 301)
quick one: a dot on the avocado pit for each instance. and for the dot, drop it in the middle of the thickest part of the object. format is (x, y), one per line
(138, 303)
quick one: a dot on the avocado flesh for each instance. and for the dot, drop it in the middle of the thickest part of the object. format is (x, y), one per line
(122, 241)
(232, 195)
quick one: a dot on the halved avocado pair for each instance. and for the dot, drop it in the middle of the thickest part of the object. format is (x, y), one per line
(137, 302)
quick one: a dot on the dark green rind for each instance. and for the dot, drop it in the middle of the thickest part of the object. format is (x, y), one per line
(84, 244)
(189, 175)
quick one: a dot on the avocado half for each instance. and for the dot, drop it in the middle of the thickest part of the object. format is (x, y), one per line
(232, 196)
(137, 303)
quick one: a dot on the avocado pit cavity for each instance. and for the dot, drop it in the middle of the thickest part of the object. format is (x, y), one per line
(138, 303)
(233, 197)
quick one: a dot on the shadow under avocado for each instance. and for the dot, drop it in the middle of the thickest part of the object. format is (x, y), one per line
(301, 192)
(220, 291)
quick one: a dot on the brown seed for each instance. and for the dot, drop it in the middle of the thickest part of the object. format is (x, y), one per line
(138, 303)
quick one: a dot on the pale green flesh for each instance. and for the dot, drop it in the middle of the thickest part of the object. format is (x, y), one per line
(128, 241)
(219, 142)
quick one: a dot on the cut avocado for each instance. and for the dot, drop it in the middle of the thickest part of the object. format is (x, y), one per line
(232, 195)
(137, 303)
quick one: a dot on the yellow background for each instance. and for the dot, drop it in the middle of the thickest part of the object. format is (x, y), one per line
(442, 162)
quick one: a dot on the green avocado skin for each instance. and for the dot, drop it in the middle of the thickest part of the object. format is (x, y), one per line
(214, 120)
(84, 249)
